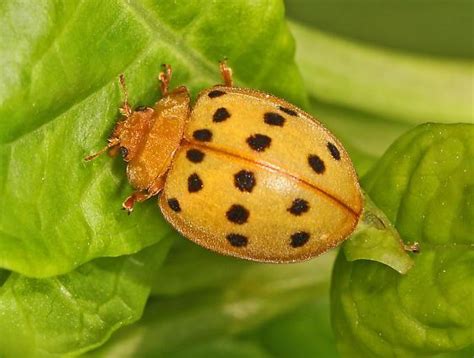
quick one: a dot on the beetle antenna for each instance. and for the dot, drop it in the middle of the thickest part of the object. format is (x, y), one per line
(112, 143)
(125, 109)
(414, 248)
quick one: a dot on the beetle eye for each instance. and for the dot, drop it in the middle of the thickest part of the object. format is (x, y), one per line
(123, 152)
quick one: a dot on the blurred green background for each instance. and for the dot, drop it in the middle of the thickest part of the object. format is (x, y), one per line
(440, 28)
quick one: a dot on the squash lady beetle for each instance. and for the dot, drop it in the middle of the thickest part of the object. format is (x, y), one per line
(241, 172)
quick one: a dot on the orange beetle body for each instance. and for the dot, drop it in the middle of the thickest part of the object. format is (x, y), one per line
(242, 172)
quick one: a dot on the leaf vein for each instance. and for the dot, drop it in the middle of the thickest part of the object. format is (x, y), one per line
(174, 42)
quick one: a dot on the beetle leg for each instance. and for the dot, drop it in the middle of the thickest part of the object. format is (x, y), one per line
(413, 248)
(125, 109)
(226, 73)
(137, 196)
(142, 195)
(165, 78)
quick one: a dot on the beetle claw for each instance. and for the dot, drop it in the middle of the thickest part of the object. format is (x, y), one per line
(128, 204)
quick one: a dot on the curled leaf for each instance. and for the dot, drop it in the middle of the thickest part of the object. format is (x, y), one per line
(376, 239)
(424, 184)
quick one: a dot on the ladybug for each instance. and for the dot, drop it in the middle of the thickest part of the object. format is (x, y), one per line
(241, 172)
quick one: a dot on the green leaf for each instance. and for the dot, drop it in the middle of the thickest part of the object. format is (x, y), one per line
(78, 311)
(389, 84)
(376, 239)
(425, 186)
(59, 99)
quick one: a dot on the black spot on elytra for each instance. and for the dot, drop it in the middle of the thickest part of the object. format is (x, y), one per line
(173, 203)
(237, 240)
(244, 180)
(194, 183)
(298, 239)
(195, 155)
(141, 108)
(203, 135)
(334, 151)
(237, 214)
(316, 163)
(259, 142)
(287, 111)
(298, 207)
(123, 152)
(220, 115)
(274, 119)
(215, 93)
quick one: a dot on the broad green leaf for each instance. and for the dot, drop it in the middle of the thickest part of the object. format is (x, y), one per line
(376, 239)
(59, 96)
(389, 84)
(425, 186)
(72, 313)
